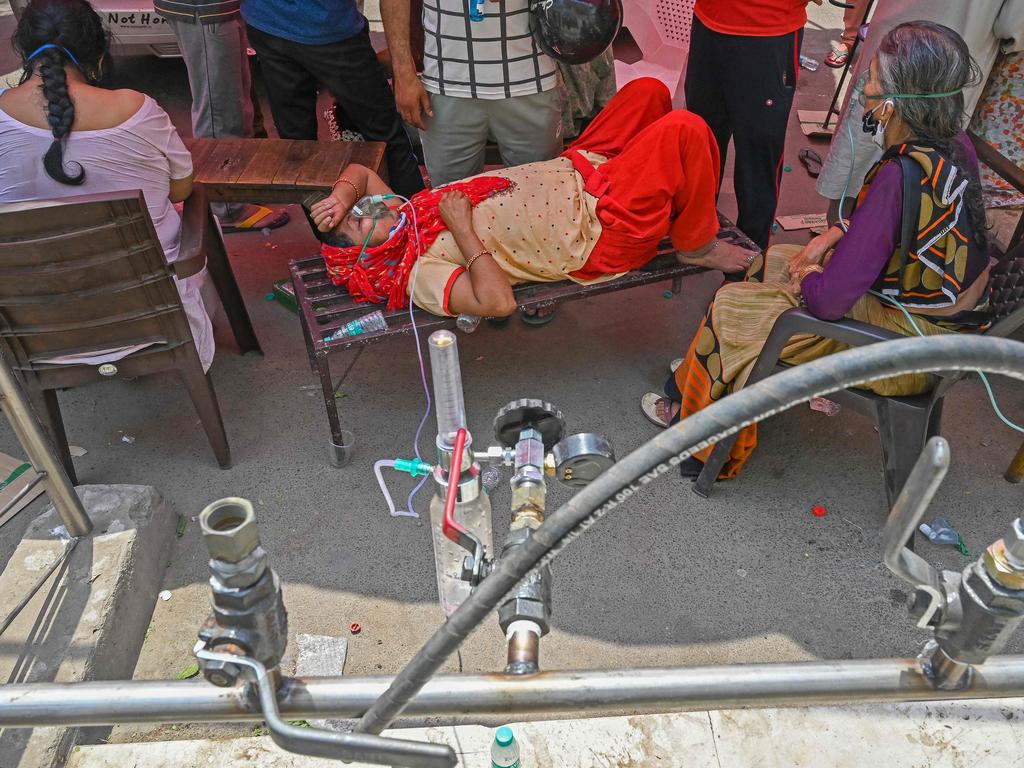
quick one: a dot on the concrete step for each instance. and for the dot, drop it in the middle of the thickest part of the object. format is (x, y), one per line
(936, 734)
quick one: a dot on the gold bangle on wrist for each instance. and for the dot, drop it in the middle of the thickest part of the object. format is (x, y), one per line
(469, 263)
(352, 184)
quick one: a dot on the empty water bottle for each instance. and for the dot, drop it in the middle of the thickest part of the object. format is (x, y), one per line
(367, 324)
(940, 531)
(504, 750)
(809, 64)
(467, 323)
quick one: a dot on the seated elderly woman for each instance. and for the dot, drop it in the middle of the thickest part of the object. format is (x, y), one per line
(639, 171)
(61, 135)
(938, 274)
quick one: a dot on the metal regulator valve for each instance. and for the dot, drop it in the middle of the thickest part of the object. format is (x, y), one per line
(246, 635)
(972, 614)
(249, 618)
(530, 436)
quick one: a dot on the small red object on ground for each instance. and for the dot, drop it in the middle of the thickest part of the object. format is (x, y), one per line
(354, 628)
(818, 510)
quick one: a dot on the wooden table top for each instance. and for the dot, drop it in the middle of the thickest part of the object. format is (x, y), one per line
(276, 170)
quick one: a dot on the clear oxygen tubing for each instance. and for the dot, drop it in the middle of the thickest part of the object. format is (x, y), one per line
(377, 467)
(984, 379)
(667, 450)
(410, 510)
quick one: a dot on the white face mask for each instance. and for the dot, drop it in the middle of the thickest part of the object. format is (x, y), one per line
(875, 127)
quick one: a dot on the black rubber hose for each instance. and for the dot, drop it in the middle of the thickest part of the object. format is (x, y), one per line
(655, 458)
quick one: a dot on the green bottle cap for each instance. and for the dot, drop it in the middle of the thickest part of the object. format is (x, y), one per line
(504, 736)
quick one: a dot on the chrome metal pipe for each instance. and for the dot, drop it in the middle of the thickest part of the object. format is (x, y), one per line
(41, 453)
(448, 698)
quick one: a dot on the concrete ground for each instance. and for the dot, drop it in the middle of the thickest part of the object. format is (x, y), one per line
(748, 575)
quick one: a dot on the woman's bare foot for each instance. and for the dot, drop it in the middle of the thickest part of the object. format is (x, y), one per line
(666, 409)
(719, 254)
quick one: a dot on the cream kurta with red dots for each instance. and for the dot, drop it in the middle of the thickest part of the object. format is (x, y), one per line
(540, 231)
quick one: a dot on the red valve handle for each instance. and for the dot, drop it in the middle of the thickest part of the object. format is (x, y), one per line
(451, 529)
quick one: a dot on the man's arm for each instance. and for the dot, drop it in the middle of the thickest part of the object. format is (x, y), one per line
(410, 95)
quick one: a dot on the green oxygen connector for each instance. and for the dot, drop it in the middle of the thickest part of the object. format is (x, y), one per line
(413, 467)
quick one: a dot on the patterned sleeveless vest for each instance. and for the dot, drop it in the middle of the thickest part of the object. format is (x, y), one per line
(929, 265)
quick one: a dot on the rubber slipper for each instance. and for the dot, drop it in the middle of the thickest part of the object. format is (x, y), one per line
(811, 161)
(649, 408)
(536, 319)
(675, 364)
(837, 57)
(264, 218)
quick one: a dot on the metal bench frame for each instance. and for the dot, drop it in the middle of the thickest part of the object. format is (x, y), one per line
(324, 307)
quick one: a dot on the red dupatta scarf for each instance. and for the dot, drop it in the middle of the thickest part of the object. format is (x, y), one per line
(382, 274)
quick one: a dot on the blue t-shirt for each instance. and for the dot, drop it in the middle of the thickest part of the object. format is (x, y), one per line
(312, 22)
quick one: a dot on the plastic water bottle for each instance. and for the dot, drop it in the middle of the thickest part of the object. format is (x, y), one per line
(940, 531)
(476, 10)
(809, 64)
(467, 323)
(504, 750)
(367, 324)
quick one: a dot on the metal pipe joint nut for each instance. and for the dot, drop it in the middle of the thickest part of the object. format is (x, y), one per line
(229, 529)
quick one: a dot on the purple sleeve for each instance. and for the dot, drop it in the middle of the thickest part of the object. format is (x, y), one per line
(864, 251)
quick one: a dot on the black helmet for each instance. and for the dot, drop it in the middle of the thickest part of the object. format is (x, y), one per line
(575, 31)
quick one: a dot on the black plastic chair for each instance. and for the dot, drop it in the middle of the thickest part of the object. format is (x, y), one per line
(904, 423)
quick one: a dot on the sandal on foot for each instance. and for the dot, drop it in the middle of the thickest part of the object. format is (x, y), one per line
(649, 408)
(837, 57)
(264, 218)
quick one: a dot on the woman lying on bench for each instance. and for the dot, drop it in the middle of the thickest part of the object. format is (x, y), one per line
(924, 194)
(639, 172)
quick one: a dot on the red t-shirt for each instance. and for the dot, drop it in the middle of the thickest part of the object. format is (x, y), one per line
(754, 18)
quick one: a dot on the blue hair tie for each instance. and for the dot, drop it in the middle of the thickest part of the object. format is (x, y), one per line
(54, 46)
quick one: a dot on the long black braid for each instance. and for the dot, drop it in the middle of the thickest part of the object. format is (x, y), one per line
(75, 28)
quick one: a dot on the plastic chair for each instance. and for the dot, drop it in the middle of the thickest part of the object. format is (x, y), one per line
(904, 423)
(661, 29)
(86, 274)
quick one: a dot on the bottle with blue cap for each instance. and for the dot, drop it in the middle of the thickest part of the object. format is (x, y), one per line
(505, 749)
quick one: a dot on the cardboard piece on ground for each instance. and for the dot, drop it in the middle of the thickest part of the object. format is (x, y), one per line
(803, 221)
(7, 465)
(811, 120)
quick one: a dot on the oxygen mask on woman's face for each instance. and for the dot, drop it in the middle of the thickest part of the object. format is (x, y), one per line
(369, 207)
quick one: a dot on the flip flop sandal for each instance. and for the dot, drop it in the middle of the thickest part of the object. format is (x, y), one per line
(811, 161)
(837, 57)
(264, 218)
(537, 319)
(675, 364)
(649, 408)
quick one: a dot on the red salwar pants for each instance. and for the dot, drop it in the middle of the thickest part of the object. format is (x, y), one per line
(661, 178)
